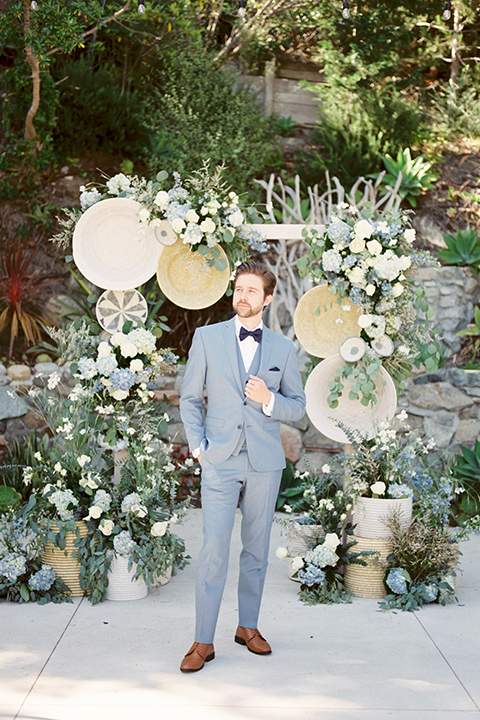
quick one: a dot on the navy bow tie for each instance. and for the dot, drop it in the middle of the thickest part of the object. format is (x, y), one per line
(256, 334)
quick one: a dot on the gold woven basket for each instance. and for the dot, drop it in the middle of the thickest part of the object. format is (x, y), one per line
(66, 566)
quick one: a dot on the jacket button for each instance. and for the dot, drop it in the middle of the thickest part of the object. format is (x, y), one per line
(239, 427)
(244, 402)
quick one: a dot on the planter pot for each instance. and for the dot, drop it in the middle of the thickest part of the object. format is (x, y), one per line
(371, 514)
(64, 562)
(302, 538)
(366, 581)
(120, 584)
(163, 579)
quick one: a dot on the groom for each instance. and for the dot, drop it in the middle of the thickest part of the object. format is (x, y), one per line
(253, 383)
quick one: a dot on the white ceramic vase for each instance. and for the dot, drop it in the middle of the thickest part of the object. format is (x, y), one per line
(120, 583)
(371, 514)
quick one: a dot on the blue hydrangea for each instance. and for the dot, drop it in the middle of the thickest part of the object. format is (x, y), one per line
(313, 575)
(399, 490)
(339, 232)
(103, 500)
(12, 566)
(430, 592)
(396, 581)
(106, 364)
(64, 501)
(122, 379)
(123, 543)
(321, 556)
(43, 579)
(176, 210)
(356, 296)
(87, 368)
(350, 261)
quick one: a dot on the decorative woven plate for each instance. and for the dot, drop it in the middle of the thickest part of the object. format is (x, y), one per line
(116, 307)
(351, 412)
(187, 280)
(109, 248)
(322, 323)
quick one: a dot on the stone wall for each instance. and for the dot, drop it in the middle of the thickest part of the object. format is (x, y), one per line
(444, 406)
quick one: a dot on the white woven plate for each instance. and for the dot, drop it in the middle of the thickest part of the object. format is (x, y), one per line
(110, 250)
(116, 307)
(351, 412)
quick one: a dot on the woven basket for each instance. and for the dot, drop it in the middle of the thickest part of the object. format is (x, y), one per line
(371, 513)
(302, 538)
(159, 580)
(66, 566)
(120, 584)
(366, 581)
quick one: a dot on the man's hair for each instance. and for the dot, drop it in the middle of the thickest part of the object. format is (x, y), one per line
(255, 267)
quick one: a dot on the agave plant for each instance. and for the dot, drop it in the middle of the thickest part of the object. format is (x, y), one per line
(23, 295)
(463, 248)
(416, 175)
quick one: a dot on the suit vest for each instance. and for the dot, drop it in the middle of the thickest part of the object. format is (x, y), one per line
(245, 374)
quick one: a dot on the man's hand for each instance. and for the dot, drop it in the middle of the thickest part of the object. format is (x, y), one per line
(199, 459)
(256, 390)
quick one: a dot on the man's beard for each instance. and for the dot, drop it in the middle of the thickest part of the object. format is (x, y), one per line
(248, 310)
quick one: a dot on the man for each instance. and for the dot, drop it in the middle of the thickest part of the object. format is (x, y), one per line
(253, 383)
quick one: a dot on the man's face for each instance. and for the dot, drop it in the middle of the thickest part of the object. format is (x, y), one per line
(249, 297)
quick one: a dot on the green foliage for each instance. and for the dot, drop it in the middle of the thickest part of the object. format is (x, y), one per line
(415, 175)
(466, 469)
(19, 454)
(95, 112)
(196, 112)
(356, 129)
(456, 108)
(9, 498)
(474, 328)
(463, 248)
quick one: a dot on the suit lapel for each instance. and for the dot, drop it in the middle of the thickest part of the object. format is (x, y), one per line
(266, 350)
(232, 354)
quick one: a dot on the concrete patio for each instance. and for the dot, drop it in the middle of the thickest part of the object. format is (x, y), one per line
(119, 660)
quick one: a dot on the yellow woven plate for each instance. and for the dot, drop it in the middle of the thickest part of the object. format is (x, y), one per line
(322, 324)
(187, 280)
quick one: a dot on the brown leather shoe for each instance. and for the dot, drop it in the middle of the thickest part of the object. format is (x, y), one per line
(254, 641)
(196, 657)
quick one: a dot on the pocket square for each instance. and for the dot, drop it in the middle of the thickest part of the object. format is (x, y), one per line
(274, 369)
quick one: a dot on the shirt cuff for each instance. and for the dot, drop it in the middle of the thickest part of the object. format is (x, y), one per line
(196, 452)
(268, 409)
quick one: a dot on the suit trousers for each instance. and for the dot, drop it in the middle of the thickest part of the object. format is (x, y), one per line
(221, 487)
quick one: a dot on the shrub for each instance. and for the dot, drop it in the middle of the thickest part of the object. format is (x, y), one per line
(357, 128)
(195, 112)
(94, 112)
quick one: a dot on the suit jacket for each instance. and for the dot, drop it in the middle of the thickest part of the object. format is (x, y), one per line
(213, 364)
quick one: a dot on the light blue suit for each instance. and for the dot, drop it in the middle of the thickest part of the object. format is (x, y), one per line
(241, 451)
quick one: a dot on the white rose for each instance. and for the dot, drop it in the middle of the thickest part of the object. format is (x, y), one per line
(281, 553)
(192, 216)
(357, 245)
(136, 365)
(297, 563)
(91, 482)
(378, 488)
(356, 276)
(331, 540)
(363, 229)
(57, 467)
(207, 225)
(103, 349)
(370, 289)
(405, 262)
(365, 320)
(159, 529)
(178, 225)
(143, 215)
(118, 338)
(236, 218)
(397, 289)
(409, 235)
(139, 511)
(162, 199)
(106, 527)
(83, 459)
(374, 247)
(128, 349)
(326, 468)
(94, 512)
(119, 394)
